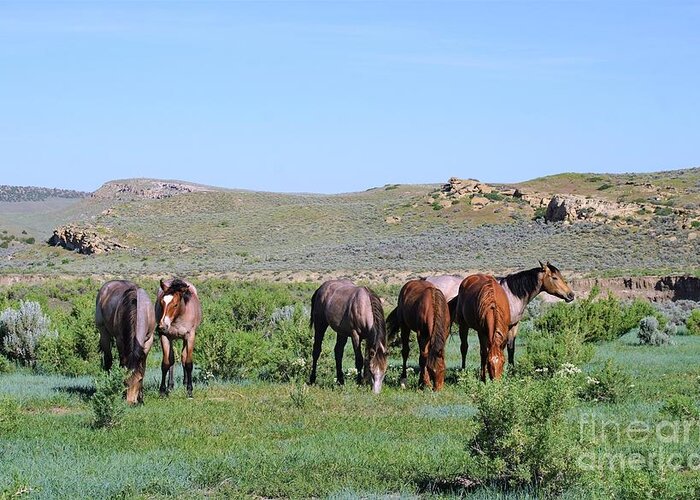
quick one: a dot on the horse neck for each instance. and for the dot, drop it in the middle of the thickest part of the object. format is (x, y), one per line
(518, 302)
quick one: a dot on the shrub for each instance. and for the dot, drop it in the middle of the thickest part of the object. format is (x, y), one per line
(22, 330)
(546, 353)
(107, 404)
(523, 437)
(6, 366)
(596, 318)
(681, 406)
(611, 384)
(693, 322)
(649, 333)
(10, 414)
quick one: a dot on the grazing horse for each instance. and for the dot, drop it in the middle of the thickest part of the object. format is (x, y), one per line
(179, 313)
(422, 307)
(448, 284)
(124, 312)
(356, 312)
(523, 286)
(482, 304)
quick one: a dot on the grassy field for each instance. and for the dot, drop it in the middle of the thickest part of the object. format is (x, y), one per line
(247, 436)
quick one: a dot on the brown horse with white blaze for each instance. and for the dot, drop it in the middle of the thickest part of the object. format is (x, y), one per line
(353, 312)
(422, 308)
(482, 304)
(179, 313)
(124, 312)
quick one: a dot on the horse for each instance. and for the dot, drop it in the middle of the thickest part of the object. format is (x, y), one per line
(355, 312)
(482, 304)
(179, 313)
(521, 287)
(124, 312)
(422, 307)
(448, 284)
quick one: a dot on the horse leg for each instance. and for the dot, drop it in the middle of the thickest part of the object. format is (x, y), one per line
(106, 348)
(359, 362)
(171, 371)
(339, 349)
(320, 327)
(166, 363)
(188, 362)
(464, 343)
(423, 346)
(405, 351)
(511, 344)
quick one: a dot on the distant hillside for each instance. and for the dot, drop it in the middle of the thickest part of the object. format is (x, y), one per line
(32, 193)
(610, 225)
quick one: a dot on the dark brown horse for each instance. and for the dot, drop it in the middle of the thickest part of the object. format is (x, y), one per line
(355, 312)
(482, 304)
(124, 312)
(523, 286)
(179, 313)
(422, 308)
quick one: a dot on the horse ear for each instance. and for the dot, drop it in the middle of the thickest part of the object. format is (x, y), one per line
(163, 286)
(549, 265)
(542, 265)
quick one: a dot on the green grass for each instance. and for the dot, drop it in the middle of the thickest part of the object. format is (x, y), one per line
(283, 440)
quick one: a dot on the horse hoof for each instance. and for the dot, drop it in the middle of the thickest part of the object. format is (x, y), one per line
(403, 383)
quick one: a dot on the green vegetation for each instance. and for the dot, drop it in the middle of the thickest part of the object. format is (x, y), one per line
(255, 429)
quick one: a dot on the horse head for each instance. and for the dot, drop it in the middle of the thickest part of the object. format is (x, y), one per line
(554, 283)
(176, 294)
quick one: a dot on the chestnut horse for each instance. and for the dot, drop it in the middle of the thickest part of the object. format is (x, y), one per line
(355, 312)
(179, 313)
(482, 304)
(422, 308)
(124, 312)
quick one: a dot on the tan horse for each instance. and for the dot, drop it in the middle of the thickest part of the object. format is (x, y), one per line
(482, 304)
(422, 308)
(124, 312)
(448, 284)
(353, 312)
(179, 313)
(522, 287)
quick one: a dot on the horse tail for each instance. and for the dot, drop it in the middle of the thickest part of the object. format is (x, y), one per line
(437, 342)
(313, 307)
(378, 332)
(452, 307)
(392, 324)
(129, 326)
(491, 312)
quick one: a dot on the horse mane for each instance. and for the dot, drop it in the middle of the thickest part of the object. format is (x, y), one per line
(129, 318)
(437, 343)
(379, 328)
(523, 283)
(181, 287)
(488, 302)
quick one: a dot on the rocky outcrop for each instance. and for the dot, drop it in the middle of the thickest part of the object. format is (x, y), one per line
(571, 208)
(146, 189)
(651, 288)
(83, 240)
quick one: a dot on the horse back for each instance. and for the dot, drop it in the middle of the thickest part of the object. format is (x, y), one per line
(480, 295)
(345, 306)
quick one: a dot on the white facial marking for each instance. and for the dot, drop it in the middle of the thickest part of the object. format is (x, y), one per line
(167, 299)
(165, 319)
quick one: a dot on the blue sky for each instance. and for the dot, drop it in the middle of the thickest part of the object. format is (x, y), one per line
(343, 96)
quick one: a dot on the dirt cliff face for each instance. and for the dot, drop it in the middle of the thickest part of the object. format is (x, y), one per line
(647, 287)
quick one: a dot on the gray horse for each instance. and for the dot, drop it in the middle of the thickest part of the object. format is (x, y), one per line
(355, 312)
(124, 312)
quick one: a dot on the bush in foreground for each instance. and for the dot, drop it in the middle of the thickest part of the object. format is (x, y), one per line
(523, 437)
(21, 331)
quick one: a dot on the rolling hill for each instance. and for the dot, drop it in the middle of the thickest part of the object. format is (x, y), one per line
(607, 225)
